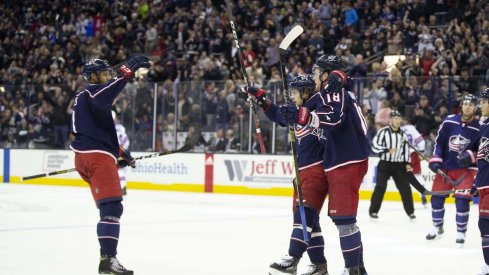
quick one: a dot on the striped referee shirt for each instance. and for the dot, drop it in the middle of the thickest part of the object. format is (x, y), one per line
(387, 139)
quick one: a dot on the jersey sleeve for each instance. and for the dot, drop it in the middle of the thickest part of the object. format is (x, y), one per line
(330, 109)
(104, 96)
(440, 143)
(378, 143)
(274, 113)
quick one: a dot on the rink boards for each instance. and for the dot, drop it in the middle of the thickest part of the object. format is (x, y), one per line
(192, 172)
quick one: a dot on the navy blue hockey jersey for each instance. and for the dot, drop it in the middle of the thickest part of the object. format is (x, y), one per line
(91, 121)
(309, 150)
(455, 137)
(343, 125)
(482, 178)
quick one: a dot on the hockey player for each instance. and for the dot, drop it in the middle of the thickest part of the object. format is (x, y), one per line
(415, 139)
(314, 189)
(454, 153)
(97, 151)
(339, 118)
(482, 180)
(124, 142)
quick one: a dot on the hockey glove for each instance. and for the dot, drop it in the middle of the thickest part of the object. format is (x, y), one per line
(336, 81)
(434, 166)
(125, 158)
(465, 159)
(473, 191)
(133, 65)
(291, 114)
(259, 95)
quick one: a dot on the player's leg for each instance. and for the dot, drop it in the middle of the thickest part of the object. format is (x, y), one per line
(106, 190)
(314, 192)
(462, 201)
(383, 174)
(438, 208)
(344, 184)
(399, 175)
(484, 226)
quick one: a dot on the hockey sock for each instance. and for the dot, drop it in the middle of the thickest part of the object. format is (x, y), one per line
(437, 210)
(484, 228)
(316, 245)
(462, 217)
(108, 227)
(297, 244)
(351, 242)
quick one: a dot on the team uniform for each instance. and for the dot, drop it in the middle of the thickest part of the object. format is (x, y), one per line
(314, 192)
(482, 182)
(415, 138)
(98, 154)
(455, 139)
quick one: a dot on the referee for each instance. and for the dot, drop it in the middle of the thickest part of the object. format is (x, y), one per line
(391, 144)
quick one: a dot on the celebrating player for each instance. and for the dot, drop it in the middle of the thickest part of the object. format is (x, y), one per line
(482, 180)
(339, 119)
(314, 189)
(97, 150)
(456, 142)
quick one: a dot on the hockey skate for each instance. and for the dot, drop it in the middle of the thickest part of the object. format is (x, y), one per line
(460, 239)
(484, 270)
(286, 265)
(356, 270)
(124, 191)
(412, 217)
(435, 233)
(317, 269)
(111, 265)
(374, 216)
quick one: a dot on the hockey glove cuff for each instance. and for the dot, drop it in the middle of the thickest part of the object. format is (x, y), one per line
(434, 166)
(125, 158)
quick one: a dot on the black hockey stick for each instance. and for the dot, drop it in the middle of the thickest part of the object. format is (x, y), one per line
(245, 76)
(418, 186)
(439, 172)
(284, 45)
(189, 145)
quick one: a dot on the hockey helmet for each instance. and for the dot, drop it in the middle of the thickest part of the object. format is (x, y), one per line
(95, 66)
(470, 98)
(395, 113)
(329, 63)
(302, 81)
(485, 94)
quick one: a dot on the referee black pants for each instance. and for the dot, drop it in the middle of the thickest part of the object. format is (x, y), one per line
(397, 170)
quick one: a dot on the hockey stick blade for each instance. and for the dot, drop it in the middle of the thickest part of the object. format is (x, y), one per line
(291, 36)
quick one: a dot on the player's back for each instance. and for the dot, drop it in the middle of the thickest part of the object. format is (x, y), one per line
(92, 126)
(482, 178)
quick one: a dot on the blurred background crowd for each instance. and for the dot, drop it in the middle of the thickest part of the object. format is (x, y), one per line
(417, 56)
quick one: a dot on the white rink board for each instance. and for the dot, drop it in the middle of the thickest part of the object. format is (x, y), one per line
(25, 162)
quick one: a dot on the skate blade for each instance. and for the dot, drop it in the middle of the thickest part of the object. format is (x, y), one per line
(277, 272)
(459, 245)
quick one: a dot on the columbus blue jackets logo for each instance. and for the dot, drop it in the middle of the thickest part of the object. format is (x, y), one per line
(303, 131)
(458, 143)
(483, 152)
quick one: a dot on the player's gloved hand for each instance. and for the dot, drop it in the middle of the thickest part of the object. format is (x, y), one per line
(125, 158)
(473, 191)
(336, 81)
(259, 95)
(291, 114)
(434, 166)
(465, 159)
(133, 65)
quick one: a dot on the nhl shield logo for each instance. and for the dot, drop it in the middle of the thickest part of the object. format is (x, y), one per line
(483, 152)
(458, 143)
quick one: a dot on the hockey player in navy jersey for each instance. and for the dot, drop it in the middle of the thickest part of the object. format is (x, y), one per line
(454, 153)
(314, 189)
(339, 118)
(97, 151)
(482, 180)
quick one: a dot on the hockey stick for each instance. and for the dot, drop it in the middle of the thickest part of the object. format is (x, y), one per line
(186, 147)
(284, 45)
(418, 186)
(245, 76)
(439, 172)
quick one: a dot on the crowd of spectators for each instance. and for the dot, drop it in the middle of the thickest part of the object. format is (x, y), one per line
(441, 50)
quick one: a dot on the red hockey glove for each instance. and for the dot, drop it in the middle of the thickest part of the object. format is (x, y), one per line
(133, 65)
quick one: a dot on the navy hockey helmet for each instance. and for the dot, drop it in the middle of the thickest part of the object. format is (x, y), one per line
(304, 83)
(470, 98)
(329, 63)
(95, 66)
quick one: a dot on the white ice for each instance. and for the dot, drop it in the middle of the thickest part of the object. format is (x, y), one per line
(52, 230)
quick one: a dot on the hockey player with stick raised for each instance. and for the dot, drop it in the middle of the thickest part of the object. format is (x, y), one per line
(314, 189)
(454, 153)
(97, 151)
(339, 118)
